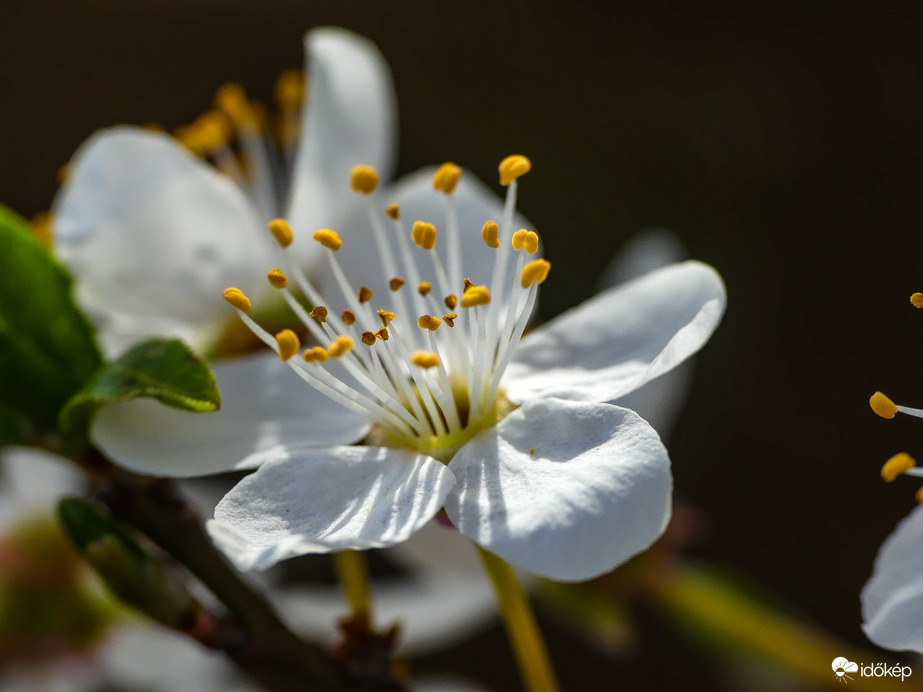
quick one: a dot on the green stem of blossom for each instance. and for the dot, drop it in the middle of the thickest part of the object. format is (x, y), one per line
(353, 573)
(521, 628)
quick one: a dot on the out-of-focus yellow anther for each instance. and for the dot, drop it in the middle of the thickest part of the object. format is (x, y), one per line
(429, 322)
(383, 334)
(348, 318)
(288, 343)
(882, 405)
(424, 288)
(919, 496)
(476, 295)
(63, 173)
(393, 211)
(451, 301)
(513, 167)
(424, 360)
(237, 298)
(368, 338)
(424, 235)
(363, 179)
(329, 239)
(386, 317)
(231, 99)
(154, 127)
(290, 89)
(341, 346)
(282, 231)
(396, 283)
(450, 318)
(535, 272)
(917, 300)
(897, 465)
(489, 234)
(468, 284)
(525, 239)
(277, 278)
(319, 313)
(318, 353)
(43, 228)
(365, 295)
(447, 177)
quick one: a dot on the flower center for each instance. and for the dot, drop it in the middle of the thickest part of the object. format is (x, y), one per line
(425, 367)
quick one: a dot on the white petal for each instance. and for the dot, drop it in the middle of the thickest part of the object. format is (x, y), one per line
(445, 598)
(149, 230)
(263, 405)
(35, 480)
(644, 252)
(892, 600)
(475, 204)
(350, 118)
(595, 492)
(621, 339)
(316, 501)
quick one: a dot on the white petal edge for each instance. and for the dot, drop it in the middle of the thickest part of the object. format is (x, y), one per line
(595, 492)
(621, 339)
(321, 500)
(892, 600)
(349, 118)
(150, 231)
(263, 405)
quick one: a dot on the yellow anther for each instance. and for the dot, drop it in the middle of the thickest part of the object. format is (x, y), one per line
(290, 89)
(424, 235)
(348, 318)
(424, 360)
(237, 298)
(277, 278)
(282, 231)
(449, 319)
(450, 301)
(476, 295)
(341, 346)
(368, 338)
(535, 272)
(213, 130)
(917, 300)
(897, 465)
(363, 179)
(393, 211)
(386, 317)
(231, 99)
(396, 283)
(63, 173)
(319, 313)
(919, 496)
(468, 284)
(882, 405)
(383, 334)
(424, 288)
(318, 353)
(429, 322)
(154, 127)
(446, 178)
(525, 239)
(489, 234)
(365, 295)
(329, 239)
(288, 343)
(513, 167)
(43, 228)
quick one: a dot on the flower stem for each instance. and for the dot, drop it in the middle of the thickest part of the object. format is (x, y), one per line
(354, 580)
(521, 627)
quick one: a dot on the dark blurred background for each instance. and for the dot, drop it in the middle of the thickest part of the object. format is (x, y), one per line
(781, 141)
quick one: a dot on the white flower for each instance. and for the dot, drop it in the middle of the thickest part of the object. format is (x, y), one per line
(892, 600)
(131, 651)
(153, 233)
(566, 485)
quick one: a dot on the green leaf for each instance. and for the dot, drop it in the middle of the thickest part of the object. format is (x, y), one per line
(47, 350)
(164, 369)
